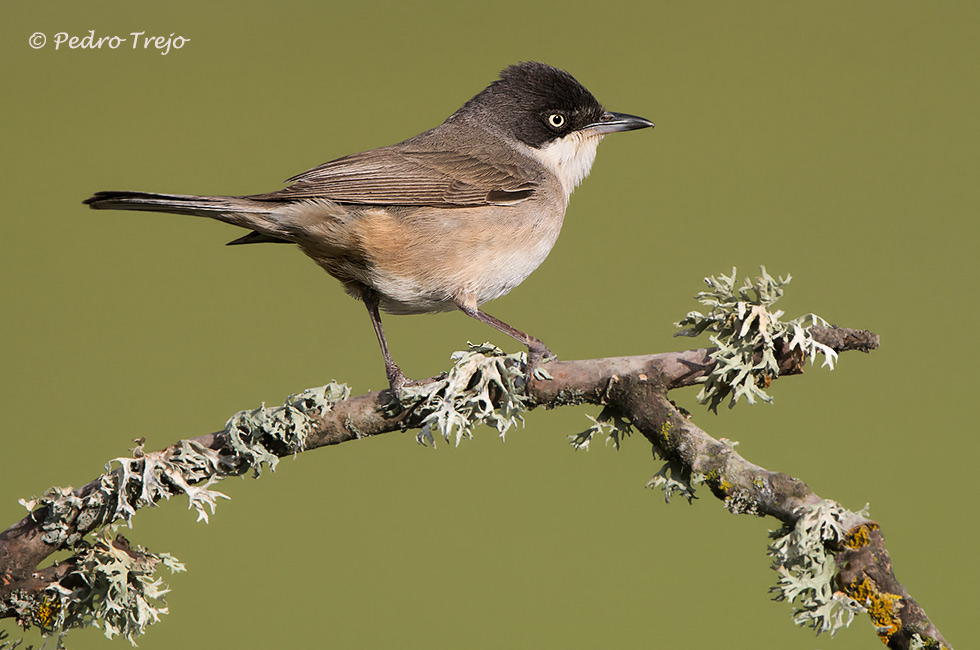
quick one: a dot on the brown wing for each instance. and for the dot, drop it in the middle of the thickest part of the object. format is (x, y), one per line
(396, 176)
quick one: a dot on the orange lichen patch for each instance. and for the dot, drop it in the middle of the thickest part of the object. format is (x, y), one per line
(882, 607)
(860, 536)
(47, 611)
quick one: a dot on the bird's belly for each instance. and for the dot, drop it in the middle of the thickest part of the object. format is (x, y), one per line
(434, 259)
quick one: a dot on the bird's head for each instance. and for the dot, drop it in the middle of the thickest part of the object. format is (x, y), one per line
(550, 112)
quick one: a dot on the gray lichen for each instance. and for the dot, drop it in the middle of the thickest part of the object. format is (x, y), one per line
(119, 591)
(610, 424)
(746, 331)
(807, 569)
(464, 399)
(262, 435)
(675, 478)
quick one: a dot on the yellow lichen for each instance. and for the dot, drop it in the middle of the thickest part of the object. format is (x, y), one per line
(714, 478)
(664, 433)
(860, 536)
(47, 611)
(882, 607)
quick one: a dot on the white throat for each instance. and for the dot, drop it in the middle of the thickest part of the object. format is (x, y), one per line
(570, 158)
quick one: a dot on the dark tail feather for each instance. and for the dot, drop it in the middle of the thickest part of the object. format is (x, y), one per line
(238, 211)
(200, 206)
(257, 238)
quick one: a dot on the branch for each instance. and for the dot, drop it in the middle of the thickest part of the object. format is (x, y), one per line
(633, 388)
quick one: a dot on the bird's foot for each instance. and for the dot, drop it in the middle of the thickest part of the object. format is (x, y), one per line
(399, 382)
(537, 354)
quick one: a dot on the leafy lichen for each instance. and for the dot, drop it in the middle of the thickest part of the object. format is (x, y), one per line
(674, 478)
(484, 386)
(746, 332)
(117, 589)
(807, 568)
(120, 592)
(110, 586)
(610, 424)
(260, 436)
(740, 502)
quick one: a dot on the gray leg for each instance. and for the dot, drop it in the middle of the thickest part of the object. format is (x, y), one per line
(396, 378)
(537, 351)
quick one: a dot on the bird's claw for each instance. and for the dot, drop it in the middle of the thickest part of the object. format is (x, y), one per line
(398, 382)
(536, 356)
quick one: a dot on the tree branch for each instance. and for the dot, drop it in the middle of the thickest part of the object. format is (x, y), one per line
(635, 388)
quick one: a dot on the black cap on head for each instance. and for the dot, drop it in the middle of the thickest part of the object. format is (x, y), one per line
(535, 103)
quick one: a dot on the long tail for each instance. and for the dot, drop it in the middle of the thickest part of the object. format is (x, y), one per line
(257, 216)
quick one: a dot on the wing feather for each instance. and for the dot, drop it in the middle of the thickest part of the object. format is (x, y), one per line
(397, 176)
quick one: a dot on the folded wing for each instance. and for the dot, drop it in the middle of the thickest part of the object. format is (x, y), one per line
(397, 176)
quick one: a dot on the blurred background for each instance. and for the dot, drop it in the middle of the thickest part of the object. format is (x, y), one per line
(835, 141)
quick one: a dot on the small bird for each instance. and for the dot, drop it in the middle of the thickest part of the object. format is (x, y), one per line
(454, 217)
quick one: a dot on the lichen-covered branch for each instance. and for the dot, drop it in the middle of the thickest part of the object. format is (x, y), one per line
(832, 563)
(635, 387)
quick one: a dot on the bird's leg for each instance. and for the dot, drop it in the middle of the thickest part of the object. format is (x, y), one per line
(396, 378)
(536, 350)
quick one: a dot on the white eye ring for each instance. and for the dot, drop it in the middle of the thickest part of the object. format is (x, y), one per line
(557, 120)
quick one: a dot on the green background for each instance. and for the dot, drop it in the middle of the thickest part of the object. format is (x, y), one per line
(836, 141)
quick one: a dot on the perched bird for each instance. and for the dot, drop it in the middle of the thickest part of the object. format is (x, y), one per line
(449, 219)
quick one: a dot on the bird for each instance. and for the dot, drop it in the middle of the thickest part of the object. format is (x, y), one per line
(449, 219)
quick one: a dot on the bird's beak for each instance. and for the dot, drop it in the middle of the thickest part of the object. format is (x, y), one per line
(611, 122)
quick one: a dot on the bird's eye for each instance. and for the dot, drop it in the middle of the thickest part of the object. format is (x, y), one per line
(556, 120)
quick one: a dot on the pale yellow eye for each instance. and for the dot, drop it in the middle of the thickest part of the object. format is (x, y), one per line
(557, 120)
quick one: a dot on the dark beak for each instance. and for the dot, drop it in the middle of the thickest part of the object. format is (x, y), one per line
(611, 122)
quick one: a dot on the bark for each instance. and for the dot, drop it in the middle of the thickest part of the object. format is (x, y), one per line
(637, 387)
